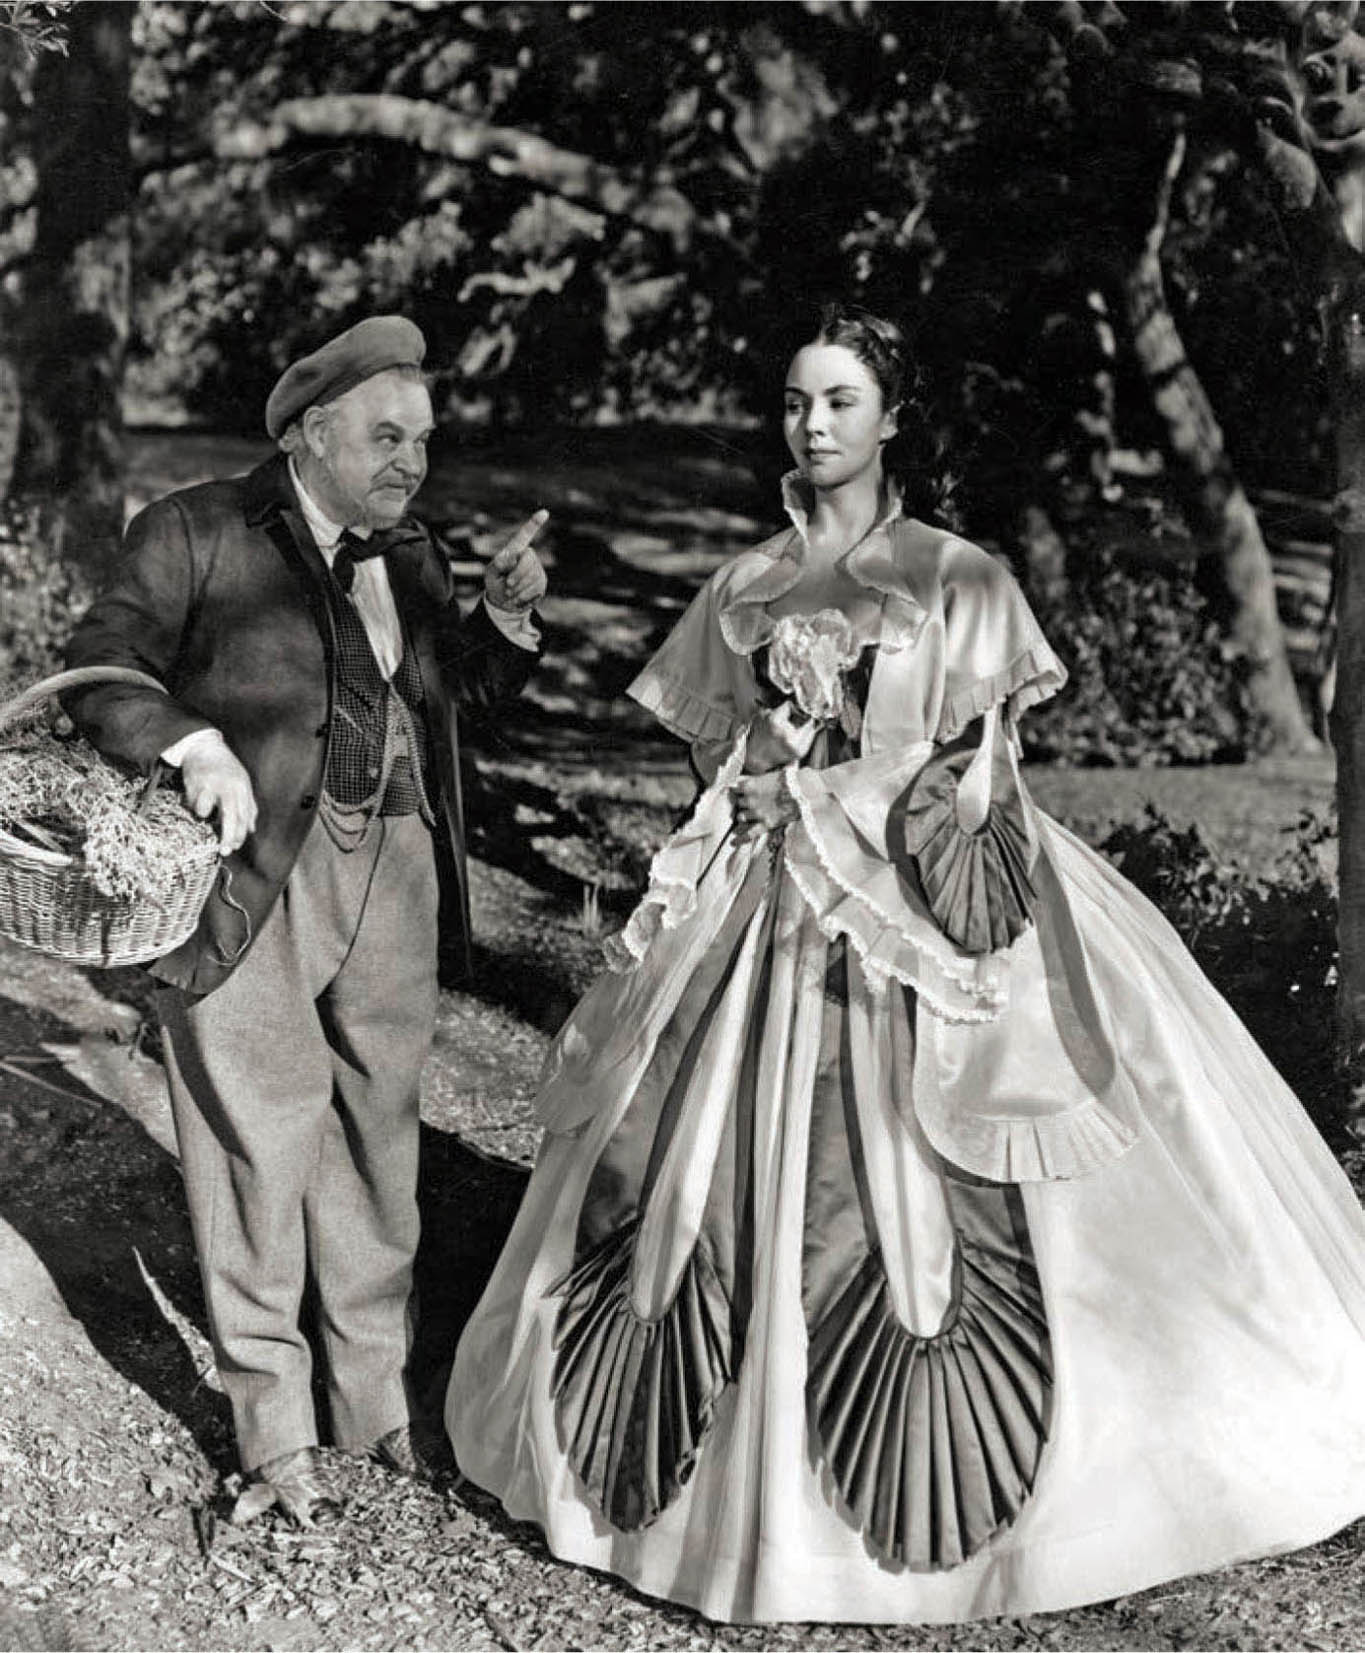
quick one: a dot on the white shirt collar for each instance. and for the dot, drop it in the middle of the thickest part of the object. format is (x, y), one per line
(325, 532)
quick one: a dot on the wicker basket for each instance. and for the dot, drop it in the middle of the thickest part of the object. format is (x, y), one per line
(48, 900)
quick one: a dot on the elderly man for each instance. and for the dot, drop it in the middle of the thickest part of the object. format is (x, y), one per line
(313, 655)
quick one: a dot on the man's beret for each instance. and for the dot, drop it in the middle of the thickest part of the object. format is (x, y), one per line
(370, 347)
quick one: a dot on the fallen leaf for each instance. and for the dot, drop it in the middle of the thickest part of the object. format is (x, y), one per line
(323, 1549)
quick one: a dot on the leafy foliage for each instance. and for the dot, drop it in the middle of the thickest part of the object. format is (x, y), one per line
(1268, 943)
(1150, 679)
(753, 157)
(36, 26)
(667, 185)
(503, 273)
(41, 597)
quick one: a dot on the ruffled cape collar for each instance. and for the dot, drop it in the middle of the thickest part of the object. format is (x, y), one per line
(897, 558)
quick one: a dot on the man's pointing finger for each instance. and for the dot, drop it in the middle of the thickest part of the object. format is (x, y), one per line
(510, 555)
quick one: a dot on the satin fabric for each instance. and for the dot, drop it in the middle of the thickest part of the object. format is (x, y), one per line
(1205, 1291)
(996, 1283)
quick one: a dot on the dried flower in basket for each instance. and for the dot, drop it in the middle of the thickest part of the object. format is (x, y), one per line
(808, 656)
(60, 794)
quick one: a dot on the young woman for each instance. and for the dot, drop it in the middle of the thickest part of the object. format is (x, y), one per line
(917, 1235)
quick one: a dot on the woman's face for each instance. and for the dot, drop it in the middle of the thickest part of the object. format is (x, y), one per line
(835, 422)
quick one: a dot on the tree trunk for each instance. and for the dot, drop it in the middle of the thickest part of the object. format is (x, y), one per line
(71, 328)
(11, 405)
(1044, 559)
(1211, 495)
(1346, 358)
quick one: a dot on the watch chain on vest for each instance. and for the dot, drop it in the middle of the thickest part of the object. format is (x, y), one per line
(377, 762)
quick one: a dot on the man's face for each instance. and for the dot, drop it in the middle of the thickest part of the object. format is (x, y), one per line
(369, 450)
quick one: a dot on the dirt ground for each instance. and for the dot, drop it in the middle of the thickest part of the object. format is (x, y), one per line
(114, 1440)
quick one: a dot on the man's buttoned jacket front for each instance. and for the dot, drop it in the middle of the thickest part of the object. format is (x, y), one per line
(222, 595)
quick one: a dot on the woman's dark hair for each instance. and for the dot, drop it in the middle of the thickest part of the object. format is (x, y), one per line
(877, 343)
(914, 457)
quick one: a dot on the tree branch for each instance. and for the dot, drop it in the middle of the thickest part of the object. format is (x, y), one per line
(1161, 217)
(505, 151)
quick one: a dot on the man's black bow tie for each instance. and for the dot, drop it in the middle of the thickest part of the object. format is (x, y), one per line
(351, 549)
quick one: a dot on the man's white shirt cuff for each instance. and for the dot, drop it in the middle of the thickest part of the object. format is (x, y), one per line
(175, 753)
(516, 625)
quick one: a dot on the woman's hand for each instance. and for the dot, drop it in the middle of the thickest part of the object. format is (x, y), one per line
(777, 739)
(762, 803)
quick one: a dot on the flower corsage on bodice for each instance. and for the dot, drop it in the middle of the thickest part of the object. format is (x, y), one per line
(816, 668)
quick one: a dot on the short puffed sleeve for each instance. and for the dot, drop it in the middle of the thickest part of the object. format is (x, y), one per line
(697, 685)
(994, 648)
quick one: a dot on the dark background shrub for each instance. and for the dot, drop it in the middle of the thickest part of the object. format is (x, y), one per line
(1151, 682)
(41, 598)
(1267, 943)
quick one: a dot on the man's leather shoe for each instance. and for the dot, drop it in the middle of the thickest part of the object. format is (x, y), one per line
(301, 1490)
(421, 1457)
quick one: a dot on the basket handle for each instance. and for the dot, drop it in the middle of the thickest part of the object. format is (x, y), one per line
(73, 679)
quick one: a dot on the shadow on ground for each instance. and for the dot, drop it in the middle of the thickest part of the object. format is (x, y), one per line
(102, 1206)
(469, 1200)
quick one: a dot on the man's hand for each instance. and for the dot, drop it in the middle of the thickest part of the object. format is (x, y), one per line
(215, 780)
(762, 803)
(515, 579)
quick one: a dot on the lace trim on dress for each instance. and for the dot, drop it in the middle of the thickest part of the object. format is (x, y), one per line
(678, 867)
(1030, 677)
(746, 625)
(838, 919)
(956, 987)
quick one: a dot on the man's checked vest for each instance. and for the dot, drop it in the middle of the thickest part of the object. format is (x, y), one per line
(379, 759)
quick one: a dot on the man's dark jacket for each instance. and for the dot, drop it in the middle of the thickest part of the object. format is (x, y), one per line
(222, 595)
